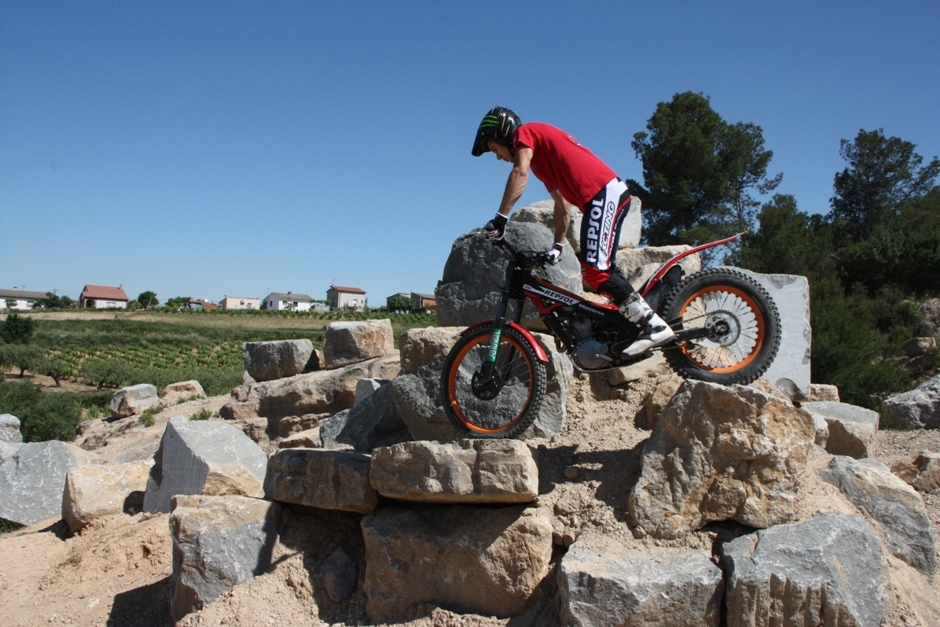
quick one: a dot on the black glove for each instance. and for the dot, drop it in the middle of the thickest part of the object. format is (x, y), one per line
(495, 228)
(554, 254)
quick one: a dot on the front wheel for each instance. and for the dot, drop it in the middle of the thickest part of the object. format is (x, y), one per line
(744, 323)
(502, 406)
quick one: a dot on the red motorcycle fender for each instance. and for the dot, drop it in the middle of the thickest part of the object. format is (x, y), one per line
(536, 346)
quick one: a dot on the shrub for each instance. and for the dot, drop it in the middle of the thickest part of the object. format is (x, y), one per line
(16, 329)
(22, 356)
(43, 415)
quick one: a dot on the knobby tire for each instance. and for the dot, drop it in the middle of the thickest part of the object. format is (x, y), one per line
(731, 296)
(519, 400)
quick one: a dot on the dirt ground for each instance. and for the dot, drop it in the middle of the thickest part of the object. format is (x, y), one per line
(117, 571)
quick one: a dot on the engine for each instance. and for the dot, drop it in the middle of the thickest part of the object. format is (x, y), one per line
(588, 353)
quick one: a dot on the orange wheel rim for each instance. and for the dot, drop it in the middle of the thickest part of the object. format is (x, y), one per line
(452, 389)
(728, 303)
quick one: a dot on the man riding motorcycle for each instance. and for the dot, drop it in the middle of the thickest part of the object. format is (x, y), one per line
(571, 174)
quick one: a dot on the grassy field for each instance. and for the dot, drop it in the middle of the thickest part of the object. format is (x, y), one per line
(111, 349)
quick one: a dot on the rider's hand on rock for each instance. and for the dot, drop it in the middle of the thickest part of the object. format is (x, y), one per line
(554, 254)
(495, 228)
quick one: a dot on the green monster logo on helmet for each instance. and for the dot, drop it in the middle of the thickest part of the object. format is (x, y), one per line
(499, 125)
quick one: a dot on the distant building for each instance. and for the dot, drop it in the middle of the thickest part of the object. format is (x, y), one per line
(103, 297)
(423, 301)
(388, 301)
(237, 302)
(340, 297)
(19, 299)
(276, 301)
(198, 305)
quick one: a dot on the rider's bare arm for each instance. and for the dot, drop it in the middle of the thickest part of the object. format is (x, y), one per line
(562, 217)
(518, 178)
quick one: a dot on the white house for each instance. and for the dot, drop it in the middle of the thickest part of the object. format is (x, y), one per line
(237, 302)
(341, 297)
(19, 299)
(103, 297)
(276, 301)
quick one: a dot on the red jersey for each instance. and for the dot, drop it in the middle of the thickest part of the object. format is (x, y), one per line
(563, 164)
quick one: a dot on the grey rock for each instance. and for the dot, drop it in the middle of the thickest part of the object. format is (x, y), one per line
(365, 388)
(218, 543)
(823, 392)
(850, 430)
(10, 429)
(335, 480)
(721, 453)
(475, 271)
(790, 370)
(601, 586)
(183, 391)
(919, 346)
(468, 471)
(339, 576)
(916, 409)
(373, 422)
(895, 505)
(347, 343)
(133, 400)
(479, 560)
(32, 479)
(203, 458)
(826, 571)
(268, 361)
(314, 393)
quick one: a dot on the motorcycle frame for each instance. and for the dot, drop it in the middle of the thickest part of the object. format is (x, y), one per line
(521, 285)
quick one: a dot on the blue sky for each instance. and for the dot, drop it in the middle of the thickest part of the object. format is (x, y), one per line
(235, 148)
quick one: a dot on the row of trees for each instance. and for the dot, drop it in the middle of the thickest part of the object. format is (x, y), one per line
(870, 260)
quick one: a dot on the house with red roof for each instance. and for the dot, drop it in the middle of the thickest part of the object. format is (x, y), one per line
(103, 297)
(341, 297)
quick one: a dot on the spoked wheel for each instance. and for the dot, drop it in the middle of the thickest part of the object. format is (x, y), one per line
(502, 406)
(743, 321)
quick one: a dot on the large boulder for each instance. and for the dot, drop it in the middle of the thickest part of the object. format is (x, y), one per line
(10, 429)
(32, 479)
(790, 370)
(315, 393)
(218, 543)
(133, 400)
(468, 471)
(721, 453)
(916, 409)
(470, 289)
(347, 343)
(267, 361)
(335, 480)
(182, 391)
(479, 560)
(896, 506)
(94, 491)
(850, 429)
(609, 585)
(203, 458)
(418, 395)
(825, 571)
(374, 421)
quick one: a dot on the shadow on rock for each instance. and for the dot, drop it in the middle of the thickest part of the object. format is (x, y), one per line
(147, 606)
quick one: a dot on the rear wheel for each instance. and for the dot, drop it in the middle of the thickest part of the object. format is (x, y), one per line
(507, 404)
(744, 320)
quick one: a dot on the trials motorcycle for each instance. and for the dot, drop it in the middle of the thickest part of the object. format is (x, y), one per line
(727, 331)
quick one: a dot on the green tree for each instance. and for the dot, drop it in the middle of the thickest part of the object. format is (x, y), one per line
(176, 303)
(53, 301)
(400, 303)
(788, 241)
(148, 299)
(699, 172)
(17, 329)
(43, 415)
(54, 367)
(884, 173)
(20, 356)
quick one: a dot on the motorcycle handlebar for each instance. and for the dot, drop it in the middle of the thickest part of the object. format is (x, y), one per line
(527, 258)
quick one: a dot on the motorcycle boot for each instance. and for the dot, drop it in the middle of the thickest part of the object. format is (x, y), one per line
(654, 330)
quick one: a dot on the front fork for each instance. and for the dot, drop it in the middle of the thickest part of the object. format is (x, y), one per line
(489, 380)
